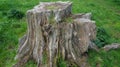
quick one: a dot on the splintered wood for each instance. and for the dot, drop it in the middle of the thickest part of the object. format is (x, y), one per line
(45, 43)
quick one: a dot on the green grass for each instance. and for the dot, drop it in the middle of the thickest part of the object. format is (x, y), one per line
(105, 59)
(106, 13)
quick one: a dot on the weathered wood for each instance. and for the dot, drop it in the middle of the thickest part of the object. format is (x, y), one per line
(111, 46)
(46, 41)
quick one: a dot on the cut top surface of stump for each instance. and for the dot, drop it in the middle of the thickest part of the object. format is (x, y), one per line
(56, 11)
(52, 5)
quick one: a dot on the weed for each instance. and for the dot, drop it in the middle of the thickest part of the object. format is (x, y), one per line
(61, 62)
(31, 63)
(68, 20)
(102, 37)
(13, 13)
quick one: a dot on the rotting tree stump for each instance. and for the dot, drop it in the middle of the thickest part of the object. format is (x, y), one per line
(53, 33)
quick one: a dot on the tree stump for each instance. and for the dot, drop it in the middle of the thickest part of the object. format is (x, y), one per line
(53, 33)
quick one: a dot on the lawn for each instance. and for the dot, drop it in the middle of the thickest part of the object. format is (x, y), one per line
(106, 13)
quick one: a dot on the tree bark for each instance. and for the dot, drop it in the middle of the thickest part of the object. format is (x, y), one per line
(46, 41)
